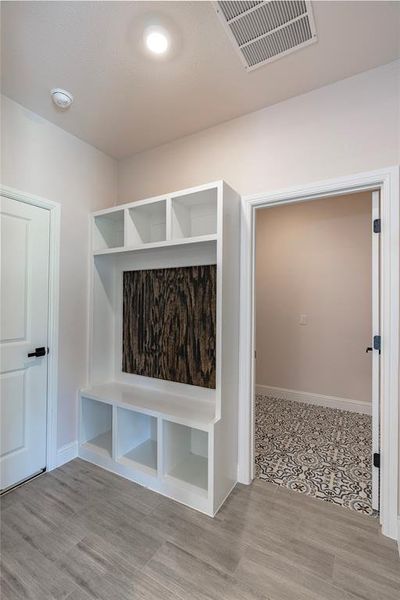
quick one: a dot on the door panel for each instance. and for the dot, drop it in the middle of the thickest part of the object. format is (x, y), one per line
(13, 413)
(15, 234)
(23, 322)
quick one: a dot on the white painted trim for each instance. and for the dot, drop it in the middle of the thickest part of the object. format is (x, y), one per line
(67, 453)
(317, 399)
(54, 285)
(398, 533)
(376, 359)
(387, 181)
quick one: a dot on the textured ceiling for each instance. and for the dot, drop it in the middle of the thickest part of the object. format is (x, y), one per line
(126, 101)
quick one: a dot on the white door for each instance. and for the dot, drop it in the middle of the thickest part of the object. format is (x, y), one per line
(23, 329)
(375, 352)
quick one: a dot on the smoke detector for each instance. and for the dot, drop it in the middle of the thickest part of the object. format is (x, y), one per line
(61, 98)
(262, 32)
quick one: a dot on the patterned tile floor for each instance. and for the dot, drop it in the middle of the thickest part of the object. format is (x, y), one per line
(317, 451)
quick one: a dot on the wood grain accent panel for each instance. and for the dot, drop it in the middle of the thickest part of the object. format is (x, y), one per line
(169, 321)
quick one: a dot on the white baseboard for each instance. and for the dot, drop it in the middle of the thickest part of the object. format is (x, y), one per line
(67, 453)
(319, 399)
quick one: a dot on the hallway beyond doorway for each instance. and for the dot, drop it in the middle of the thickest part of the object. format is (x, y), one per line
(315, 450)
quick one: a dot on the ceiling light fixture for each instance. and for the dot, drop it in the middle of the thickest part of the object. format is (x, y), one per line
(157, 40)
(61, 98)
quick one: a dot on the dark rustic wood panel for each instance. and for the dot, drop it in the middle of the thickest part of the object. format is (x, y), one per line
(169, 318)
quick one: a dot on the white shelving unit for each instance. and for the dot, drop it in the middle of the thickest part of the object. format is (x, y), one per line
(177, 439)
(96, 432)
(136, 440)
(195, 214)
(186, 455)
(108, 230)
(146, 223)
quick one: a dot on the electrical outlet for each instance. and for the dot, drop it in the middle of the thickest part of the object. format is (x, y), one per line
(303, 320)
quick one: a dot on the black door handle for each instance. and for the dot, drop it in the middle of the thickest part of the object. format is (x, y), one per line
(369, 349)
(38, 352)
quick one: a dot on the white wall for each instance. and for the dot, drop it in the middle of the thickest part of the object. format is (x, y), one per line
(314, 258)
(40, 158)
(343, 128)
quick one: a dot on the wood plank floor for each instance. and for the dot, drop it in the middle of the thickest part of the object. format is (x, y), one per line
(80, 533)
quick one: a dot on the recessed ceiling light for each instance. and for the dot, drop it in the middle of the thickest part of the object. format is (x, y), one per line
(157, 41)
(61, 98)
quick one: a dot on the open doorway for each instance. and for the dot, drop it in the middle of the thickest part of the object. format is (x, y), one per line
(317, 339)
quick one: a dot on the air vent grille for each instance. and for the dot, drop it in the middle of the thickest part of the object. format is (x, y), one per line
(231, 10)
(265, 31)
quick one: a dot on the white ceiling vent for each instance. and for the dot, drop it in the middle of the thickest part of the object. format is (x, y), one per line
(265, 31)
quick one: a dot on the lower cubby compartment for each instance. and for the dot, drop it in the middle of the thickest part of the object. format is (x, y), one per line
(186, 455)
(167, 457)
(96, 426)
(137, 440)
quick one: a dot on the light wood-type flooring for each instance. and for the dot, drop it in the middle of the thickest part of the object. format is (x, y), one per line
(80, 533)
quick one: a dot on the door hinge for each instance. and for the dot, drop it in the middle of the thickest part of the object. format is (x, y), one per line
(377, 460)
(377, 225)
(377, 343)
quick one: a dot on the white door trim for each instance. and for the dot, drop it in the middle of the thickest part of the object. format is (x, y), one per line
(376, 362)
(387, 181)
(54, 278)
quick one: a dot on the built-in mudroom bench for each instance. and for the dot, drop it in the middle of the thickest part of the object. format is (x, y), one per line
(161, 406)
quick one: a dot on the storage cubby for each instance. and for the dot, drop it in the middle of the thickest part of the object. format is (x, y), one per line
(96, 426)
(171, 433)
(186, 454)
(108, 230)
(194, 214)
(137, 439)
(146, 223)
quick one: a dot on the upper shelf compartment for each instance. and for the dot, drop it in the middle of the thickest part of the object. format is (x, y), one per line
(108, 230)
(146, 223)
(194, 214)
(186, 217)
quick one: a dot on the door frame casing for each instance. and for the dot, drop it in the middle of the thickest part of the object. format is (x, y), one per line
(376, 359)
(387, 182)
(54, 209)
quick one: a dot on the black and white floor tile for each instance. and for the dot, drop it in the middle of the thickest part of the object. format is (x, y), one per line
(318, 451)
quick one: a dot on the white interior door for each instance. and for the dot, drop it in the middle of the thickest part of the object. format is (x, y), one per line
(23, 328)
(375, 353)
